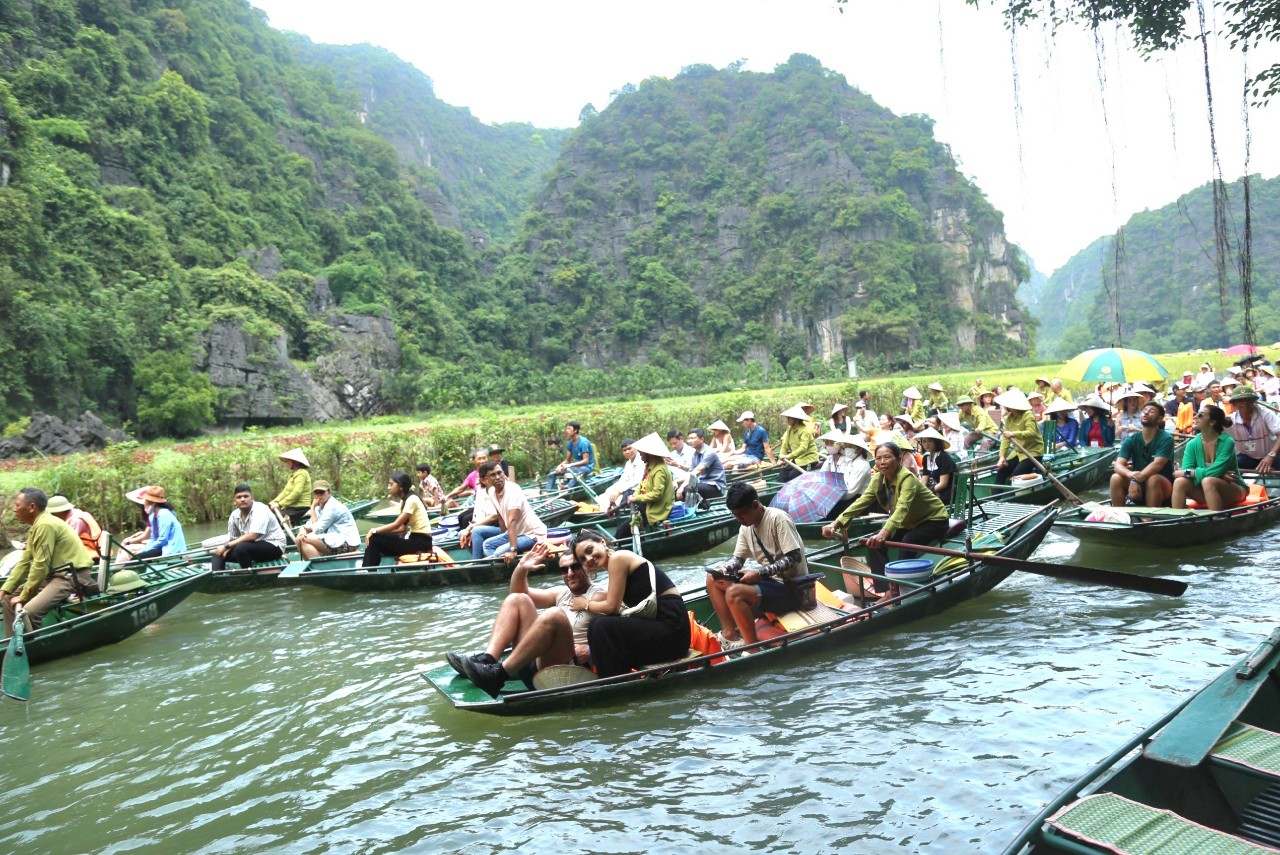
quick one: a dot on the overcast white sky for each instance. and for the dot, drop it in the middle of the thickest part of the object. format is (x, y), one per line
(1094, 135)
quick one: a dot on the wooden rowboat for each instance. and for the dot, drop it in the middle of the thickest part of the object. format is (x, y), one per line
(107, 618)
(1077, 470)
(1174, 529)
(1013, 531)
(344, 573)
(1204, 778)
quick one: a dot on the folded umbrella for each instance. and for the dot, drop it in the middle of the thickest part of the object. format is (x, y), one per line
(811, 496)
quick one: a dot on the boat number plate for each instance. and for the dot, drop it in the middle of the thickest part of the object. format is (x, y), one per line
(145, 615)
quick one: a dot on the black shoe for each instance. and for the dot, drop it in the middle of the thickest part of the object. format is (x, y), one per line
(526, 675)
(455, 660)
(490, 678)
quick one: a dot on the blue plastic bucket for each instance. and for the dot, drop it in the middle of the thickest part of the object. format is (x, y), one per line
(917, 570)
(450, 522)
(557, 533)
(678, 510)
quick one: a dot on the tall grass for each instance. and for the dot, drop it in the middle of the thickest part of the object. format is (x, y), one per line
(357, 457)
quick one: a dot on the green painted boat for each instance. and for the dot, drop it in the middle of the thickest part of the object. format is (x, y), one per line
(598, 482)
(1173, 529)
(361, 508)
(770, 488)
(1077, 470)
(107, 618)
(344, 573)
(1205, 778)
(1010, 530)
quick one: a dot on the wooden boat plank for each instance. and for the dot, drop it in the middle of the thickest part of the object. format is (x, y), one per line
(1172, 765)
(1186, 740)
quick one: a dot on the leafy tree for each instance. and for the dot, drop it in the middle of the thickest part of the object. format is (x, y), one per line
(173, 399)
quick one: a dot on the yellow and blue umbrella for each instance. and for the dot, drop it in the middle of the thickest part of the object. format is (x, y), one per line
(1114, 365)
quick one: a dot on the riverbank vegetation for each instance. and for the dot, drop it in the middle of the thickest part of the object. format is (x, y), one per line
(356, 457)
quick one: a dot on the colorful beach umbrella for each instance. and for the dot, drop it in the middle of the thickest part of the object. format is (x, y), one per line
(1114, 365)
(811, 496)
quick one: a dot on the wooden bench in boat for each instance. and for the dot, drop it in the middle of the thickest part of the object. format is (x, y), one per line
(1113, 823)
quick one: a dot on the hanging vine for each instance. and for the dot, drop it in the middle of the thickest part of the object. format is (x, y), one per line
(1244, 261)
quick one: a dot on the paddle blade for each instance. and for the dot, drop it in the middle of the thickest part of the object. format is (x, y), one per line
(1108, 578)
(16, 682)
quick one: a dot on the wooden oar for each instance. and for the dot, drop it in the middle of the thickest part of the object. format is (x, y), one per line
(1072, 572)
(1062, 488)
(286, 525)
(16, 682)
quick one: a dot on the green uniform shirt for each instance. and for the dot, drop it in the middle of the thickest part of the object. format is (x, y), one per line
(798, 445)
(1026, 430)
(908, 504)
(297, 490)
(50, 543)
(938, 401)
(979, 420)
(657, 492)
(916, 412)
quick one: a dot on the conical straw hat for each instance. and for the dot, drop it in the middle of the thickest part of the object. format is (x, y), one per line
(1014, 399)
(651, 444)
(296, 455)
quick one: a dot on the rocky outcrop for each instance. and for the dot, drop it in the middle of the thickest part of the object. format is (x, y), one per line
(48, 434)
(260, 383)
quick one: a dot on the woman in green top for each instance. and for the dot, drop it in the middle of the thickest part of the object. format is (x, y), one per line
(1209, 472)
(1017, 424)
(798, 445)
(916, 514)
(294, 500)
(657, 491)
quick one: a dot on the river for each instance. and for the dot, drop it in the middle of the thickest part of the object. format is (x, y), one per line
(294, 720)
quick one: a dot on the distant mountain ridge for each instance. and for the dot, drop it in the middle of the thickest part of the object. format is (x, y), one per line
(1166, 293)
(486, 174)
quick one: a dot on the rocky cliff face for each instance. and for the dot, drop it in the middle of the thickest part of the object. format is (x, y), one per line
(719, 200)
(259, 382)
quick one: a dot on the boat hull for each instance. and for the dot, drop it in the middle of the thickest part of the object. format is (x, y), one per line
(1190, 767)
(943, 593)
(104, 619)
(1174, 529)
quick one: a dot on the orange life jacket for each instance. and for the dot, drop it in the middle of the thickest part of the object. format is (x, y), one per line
(89, 532)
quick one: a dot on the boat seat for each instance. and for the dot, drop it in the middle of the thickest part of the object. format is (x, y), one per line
(821, 613)
(1257, 495)
(437, 555)
(1113, 823)
(1250, 747)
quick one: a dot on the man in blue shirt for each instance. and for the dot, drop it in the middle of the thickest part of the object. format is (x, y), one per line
(755, 441)
(579, 457)
(706, 467)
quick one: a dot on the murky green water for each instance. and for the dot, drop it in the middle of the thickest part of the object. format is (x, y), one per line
(294, 721)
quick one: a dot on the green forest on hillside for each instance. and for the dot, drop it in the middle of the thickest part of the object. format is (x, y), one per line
(1160, 285)
(151, 149)
(830, 196)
